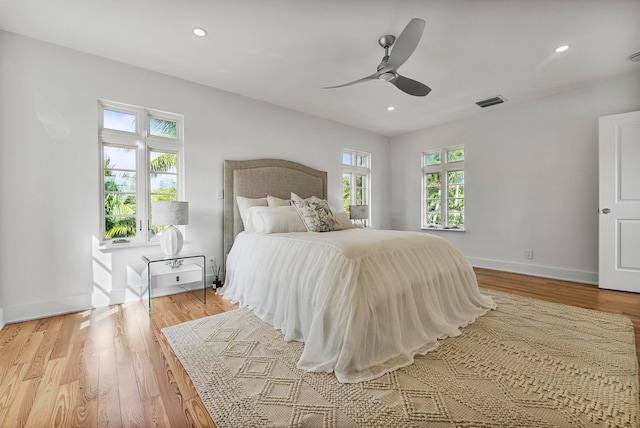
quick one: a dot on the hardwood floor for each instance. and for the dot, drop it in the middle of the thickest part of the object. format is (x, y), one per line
(113, 367)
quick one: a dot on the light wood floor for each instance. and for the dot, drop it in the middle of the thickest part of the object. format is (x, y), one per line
(113, 367)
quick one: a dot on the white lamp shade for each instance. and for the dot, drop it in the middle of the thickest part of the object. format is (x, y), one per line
(169, 213)
(171, 241)
(359, 212)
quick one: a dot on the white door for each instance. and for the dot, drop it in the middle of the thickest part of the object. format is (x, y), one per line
(619, 202)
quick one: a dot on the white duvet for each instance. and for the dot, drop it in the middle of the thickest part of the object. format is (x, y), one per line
(364, 302)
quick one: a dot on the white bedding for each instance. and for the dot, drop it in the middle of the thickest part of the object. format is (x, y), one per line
(363, 301)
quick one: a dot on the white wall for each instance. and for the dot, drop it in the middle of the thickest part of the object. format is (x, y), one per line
(531, 174)
(49, 165)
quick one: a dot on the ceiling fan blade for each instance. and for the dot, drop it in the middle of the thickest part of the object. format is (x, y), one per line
(405, 44)
(364, 79)
(410, 86)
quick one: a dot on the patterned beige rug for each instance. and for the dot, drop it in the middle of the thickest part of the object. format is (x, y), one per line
(527, 364)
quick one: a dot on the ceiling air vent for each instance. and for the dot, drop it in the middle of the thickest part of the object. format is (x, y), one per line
(491, 101)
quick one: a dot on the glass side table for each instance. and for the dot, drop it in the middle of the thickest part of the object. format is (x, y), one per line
(177, 273)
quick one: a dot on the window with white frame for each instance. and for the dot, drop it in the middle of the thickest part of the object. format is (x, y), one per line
(141, 162)
(356, 169)
(443, 188)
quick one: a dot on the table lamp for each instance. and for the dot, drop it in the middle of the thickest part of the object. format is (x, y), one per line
(359, 212)
(172, 214)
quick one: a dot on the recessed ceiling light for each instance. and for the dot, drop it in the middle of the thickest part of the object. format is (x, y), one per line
(200, 32)
(562, 48)
(391, 108)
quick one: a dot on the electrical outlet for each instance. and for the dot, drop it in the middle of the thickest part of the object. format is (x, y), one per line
(220, 194)
(528, 254)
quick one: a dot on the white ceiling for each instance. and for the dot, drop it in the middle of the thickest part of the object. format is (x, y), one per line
(284, 51)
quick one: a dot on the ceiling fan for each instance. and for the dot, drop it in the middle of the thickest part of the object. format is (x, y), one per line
(403, 47)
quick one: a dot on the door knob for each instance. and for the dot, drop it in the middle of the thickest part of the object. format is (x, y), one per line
(605, 211)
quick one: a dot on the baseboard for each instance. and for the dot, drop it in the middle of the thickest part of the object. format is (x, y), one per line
(537, 270)
(47, 308)
(70, 304)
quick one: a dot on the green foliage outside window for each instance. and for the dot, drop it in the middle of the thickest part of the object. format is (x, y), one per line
(162, 128)
(434, 199)
(119, 204)
(355, 179)
(454, 188)
(346, 192)
(455, 155)
(455, 193)
(433, 159)
(120, 199)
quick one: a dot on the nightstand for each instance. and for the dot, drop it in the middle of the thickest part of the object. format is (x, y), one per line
(177, 270)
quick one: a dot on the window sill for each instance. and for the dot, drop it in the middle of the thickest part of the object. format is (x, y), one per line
(109, 246)
(443, 229)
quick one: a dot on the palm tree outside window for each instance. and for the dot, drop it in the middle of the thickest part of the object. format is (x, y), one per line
(134, 175)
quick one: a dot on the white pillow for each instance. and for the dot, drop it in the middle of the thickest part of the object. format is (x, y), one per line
(244, 204)
(274, 220)
(344, 220)
(272, 201)
(315, 213)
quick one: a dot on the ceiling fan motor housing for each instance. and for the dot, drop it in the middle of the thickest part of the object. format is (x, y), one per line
(388, 76)
(386, 41)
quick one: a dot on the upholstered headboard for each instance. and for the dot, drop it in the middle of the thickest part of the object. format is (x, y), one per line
(261, 177)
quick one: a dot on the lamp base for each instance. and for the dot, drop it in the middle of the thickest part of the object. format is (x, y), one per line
(171, 241)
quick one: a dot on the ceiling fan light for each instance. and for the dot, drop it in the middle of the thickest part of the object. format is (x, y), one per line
(388, 76)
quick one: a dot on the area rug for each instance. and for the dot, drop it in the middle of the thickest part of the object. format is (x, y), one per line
(528, 363)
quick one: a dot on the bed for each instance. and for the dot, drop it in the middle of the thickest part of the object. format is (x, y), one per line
(363, 301)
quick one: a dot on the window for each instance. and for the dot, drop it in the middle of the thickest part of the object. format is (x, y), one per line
(141, 162)
(356, 167)
(443, 188)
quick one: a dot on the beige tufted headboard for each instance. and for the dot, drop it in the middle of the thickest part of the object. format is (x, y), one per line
(261, 177)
